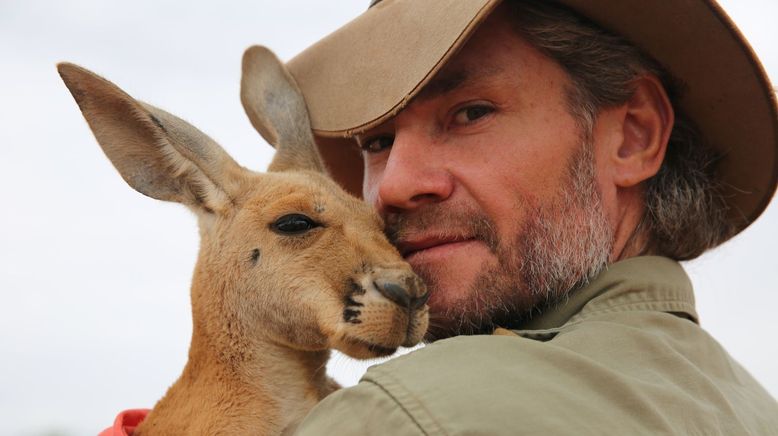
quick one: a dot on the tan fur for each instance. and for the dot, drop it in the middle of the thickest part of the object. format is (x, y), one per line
(263, 327)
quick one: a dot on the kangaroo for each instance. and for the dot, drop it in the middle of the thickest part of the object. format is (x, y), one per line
(290, 265)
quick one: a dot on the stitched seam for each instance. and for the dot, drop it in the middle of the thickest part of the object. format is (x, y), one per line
(409, 396)
(581, 318)
(639, 305)
(399, 404)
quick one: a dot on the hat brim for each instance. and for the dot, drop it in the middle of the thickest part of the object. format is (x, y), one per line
(368, 70)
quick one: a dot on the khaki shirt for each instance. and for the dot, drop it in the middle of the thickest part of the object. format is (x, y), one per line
(623, 356)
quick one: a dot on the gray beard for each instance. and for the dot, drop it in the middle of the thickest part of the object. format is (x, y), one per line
(561, 246)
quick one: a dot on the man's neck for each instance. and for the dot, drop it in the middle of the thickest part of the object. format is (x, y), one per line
(631, 231)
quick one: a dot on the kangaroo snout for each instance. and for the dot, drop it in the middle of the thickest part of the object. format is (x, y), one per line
(408, 292)
(385, 308)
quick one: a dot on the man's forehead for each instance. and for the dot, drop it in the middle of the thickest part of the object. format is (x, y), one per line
(457, 76)
(452, 78)
(483, 57)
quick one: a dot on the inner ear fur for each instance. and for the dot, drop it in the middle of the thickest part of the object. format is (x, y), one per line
(156, 153)
(276, 108)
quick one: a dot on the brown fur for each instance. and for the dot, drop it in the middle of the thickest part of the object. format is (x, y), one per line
(266, 306)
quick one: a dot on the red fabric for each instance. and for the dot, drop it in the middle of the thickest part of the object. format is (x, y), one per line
(125, 423)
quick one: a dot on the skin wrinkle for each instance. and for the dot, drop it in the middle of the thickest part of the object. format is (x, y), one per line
(449, 81)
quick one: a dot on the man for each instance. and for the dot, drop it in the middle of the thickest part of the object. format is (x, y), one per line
(544, 166)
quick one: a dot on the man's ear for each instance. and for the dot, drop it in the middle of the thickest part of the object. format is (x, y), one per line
(647, 122)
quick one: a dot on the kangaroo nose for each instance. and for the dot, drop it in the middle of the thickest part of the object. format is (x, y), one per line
(404, 296)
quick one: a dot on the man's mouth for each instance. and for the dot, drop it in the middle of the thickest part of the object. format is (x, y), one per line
(431, 245)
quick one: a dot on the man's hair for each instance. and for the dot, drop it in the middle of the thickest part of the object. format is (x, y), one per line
(685, 209)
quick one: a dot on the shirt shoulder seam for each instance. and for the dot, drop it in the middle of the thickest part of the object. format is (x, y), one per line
(393, 384)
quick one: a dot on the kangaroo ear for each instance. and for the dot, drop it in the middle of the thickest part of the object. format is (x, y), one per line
(156, 153)
(277, 109)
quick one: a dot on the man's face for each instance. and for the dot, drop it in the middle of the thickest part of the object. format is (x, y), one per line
(486, 182)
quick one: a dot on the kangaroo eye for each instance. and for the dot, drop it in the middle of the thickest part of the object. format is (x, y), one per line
(293, 224)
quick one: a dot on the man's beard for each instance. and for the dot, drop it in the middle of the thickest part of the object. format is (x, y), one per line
(561, 246)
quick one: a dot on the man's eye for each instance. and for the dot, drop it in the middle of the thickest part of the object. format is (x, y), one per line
(469, 114)
(377, 144)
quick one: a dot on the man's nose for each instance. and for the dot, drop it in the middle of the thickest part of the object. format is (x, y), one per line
(413, 176)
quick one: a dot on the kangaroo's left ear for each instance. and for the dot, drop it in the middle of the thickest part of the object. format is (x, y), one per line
(643, 124)
(276, 107)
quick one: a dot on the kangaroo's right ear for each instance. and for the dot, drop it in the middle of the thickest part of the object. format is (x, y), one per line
(156, 153)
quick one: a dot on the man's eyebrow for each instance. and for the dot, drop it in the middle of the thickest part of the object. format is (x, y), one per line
(449, 81)
(442, 84)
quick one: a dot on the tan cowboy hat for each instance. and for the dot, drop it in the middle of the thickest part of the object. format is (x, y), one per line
(368, 70)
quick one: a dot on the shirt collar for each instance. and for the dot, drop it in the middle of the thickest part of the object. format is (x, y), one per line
(639, 283)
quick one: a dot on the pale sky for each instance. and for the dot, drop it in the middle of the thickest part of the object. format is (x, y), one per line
(94, 277)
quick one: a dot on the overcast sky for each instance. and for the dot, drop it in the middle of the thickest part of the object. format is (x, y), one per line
(94, 277)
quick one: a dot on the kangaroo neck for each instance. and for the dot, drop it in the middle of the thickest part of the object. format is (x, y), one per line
(266, 385)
